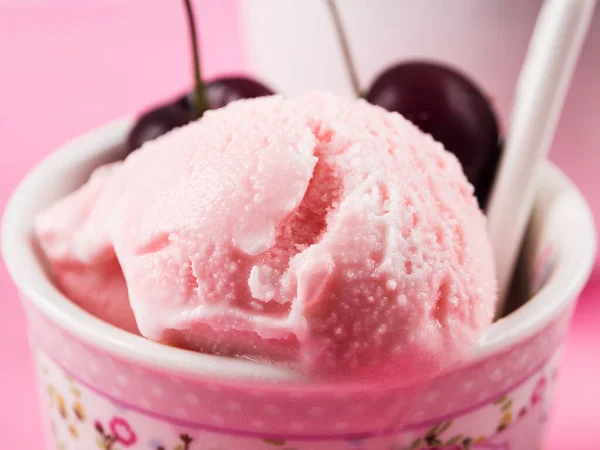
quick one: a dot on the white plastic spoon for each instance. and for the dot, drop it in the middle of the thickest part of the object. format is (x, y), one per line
(541, 90)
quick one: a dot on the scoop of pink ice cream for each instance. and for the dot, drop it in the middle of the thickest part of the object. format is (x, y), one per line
(320, 232)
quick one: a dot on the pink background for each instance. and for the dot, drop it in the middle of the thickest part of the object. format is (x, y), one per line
(68, 65)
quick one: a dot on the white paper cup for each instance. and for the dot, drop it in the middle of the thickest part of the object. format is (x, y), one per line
(101, 387)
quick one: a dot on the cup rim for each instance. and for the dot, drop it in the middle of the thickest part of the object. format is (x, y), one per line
(575, 262)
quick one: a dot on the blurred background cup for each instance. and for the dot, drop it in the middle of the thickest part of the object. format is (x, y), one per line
(293, 46)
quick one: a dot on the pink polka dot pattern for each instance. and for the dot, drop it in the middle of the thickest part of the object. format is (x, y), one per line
(79, 415)
(299, 411)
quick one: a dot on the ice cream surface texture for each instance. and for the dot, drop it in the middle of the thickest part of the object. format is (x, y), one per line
(319, 232)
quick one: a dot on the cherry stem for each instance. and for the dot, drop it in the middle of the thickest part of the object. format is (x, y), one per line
(201, 103)
(343, 39)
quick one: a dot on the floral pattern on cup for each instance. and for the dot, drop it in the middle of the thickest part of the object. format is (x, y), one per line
(117, 426)
(185, 443)
(119, 433)
(539, 391)
(68, 405)
(442, 437)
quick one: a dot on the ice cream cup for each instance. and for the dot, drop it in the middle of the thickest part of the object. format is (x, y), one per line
(101, 387)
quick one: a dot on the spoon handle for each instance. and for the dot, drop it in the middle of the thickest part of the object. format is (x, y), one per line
(553, 51)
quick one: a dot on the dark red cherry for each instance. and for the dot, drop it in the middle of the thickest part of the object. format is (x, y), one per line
(164, 118)
(159, 121)
(222, 91)
(446, 104)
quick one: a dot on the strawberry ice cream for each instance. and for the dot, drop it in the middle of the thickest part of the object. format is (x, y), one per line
(318, 232)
